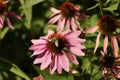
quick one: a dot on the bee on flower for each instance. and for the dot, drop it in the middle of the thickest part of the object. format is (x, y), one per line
(56, 49)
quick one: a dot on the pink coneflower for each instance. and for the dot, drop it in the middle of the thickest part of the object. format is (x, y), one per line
(107, 26)
(56, 48)
(4, 13)
(67, 16)
(111, 66)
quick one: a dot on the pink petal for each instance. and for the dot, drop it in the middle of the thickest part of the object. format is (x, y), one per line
(59, 65)
(64, 62)
(72, 34)
(46, 61)
(73, 24)
(114, 45)
(54, 19)
(67, 25)
(78, 26)
(39, 41)
(38, 52)
(1, 22)
(91, 30)
(105, 44)
(72, 58)
(74, 43)
(53, 65)
(50, 32)
(97, 42)
(7, 1)
(61, 24)
(39, 58)
(37, 47)
(9, 23)
(13, 14)
(54, 10)
(77, 51)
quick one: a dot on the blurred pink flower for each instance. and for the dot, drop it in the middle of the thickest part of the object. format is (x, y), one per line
(107, 26)
(67, 16)
(40, 77)
(56, 48)
(111, 66)
(4, 13)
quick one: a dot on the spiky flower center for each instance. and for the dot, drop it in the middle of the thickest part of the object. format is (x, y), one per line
(67, 9)
(107, 24)
(107, 61)
(2, 8)
(56, 43)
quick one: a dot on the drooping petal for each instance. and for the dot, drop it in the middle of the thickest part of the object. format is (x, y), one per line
(13, 14)
(39, 58)
(61, 24)
(46, 61)
(64, 62)
(78, 25)
(73, 24)
(59, 65)
(54, 19)
(53, 65)
(54, 10)
(72, 58)
(7, 1)
(105, 44)
(91, 30)
(1, 22)
(97, 42)
(9, 23)
(114, 45)
(77, 51)
(68, 25)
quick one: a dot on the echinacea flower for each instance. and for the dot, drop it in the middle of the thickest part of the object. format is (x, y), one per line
(56, 49)
(67, 16)
(107, 26)
(111, 66)
(5, 13)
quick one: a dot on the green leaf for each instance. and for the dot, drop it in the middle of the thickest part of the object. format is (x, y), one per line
(28, 14)
(3, 32)
(107, 1)
(31, 3)
(14, 69)
(27, 11)
(96, 5)
(111, 8)
(49, 27)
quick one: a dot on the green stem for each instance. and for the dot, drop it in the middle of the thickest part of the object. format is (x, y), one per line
(100, 5)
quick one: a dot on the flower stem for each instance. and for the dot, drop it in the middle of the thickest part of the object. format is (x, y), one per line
(100, 5)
